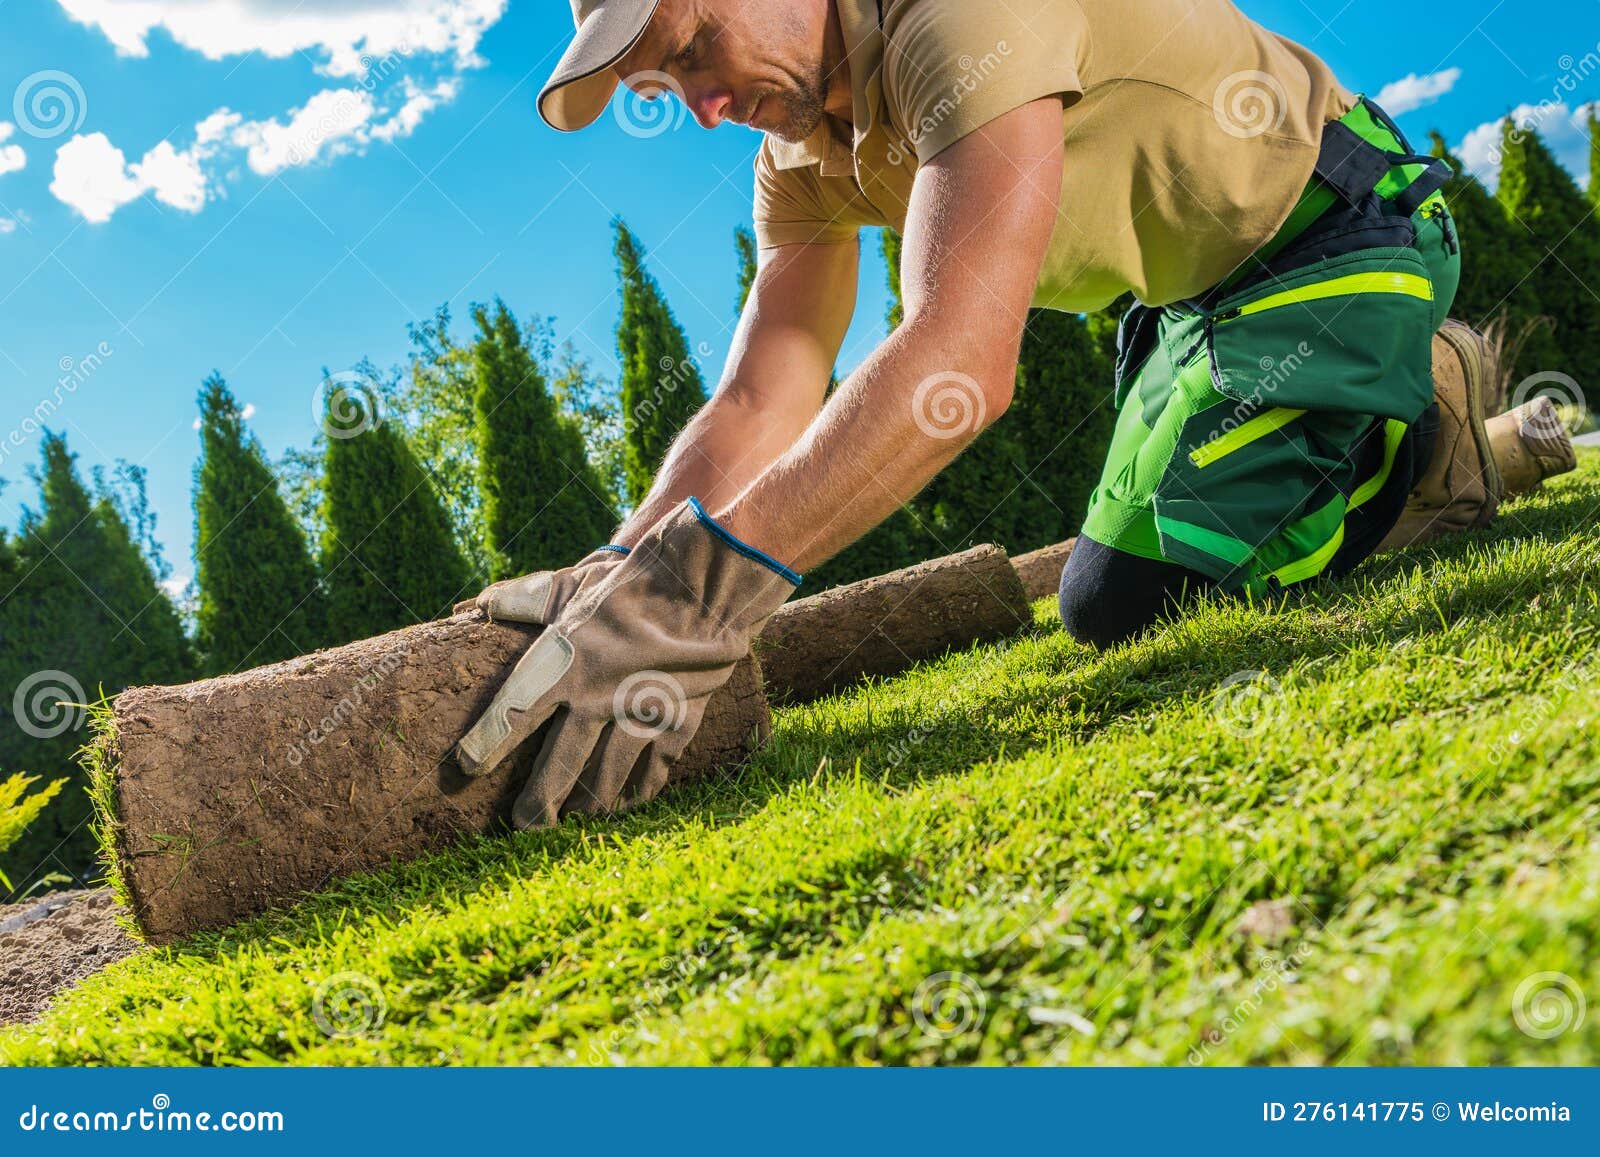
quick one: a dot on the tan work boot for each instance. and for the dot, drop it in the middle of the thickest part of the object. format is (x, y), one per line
(1478, 462)
(1461, 487)
(1530, 444)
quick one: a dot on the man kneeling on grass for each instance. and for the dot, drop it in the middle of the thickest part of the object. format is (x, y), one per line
(1051, 153)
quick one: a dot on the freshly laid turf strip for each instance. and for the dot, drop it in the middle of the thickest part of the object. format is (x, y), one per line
(1361, 827)
(226, 796)
(883, 625)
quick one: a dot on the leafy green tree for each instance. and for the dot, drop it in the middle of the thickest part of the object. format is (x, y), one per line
(437, 402)
(589, 401)
(543, 504)
(80, 614)
(258, 595)
(744, 244)
(661, 385)
(1593, 129)
(1544, 202)
(388, 558)
(892, 245)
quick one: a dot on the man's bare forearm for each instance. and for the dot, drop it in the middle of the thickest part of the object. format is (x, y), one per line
(720, 452)
(900, 419)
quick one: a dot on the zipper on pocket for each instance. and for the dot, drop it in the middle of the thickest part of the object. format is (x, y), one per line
(1434, 210)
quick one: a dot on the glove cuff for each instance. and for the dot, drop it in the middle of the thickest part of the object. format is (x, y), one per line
(614, 549)
(744, 548)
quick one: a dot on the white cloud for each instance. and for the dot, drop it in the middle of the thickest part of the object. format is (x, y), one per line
(94, 177)
(1563, 130)
(12, 157)
(330, 124)
(419, 103)
(348, 34)
(370, 40)
(1412, 92)
(176, 586)
(7, 225)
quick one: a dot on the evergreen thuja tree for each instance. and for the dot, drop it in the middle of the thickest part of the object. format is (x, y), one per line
(1494, 256)
(1544, 202)
(388, 558)
(82, 615)
(661, 386)
(258, 595)
(1062, 416)
(985, 495)
(744, 245)
(543, 504)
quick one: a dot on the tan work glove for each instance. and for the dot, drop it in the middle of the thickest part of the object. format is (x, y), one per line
(632, 661)
(539, 598)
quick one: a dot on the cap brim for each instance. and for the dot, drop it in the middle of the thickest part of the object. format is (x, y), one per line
(581, 86)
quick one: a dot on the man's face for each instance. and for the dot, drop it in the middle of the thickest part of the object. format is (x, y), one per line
(759, 63)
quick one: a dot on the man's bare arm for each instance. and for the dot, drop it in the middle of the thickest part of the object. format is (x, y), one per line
(980, 223)
(776, 378)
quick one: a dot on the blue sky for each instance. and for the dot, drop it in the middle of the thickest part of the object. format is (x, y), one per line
(297, 182)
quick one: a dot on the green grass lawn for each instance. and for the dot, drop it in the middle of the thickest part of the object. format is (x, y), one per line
(1356, 829)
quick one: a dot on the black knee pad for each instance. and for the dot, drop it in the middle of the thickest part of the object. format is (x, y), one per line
(1108, 596)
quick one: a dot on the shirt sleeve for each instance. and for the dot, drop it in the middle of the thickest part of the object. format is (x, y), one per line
(952, 66)
(800, 206)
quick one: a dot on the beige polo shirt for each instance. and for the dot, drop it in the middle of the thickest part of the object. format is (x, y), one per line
(1190, 131)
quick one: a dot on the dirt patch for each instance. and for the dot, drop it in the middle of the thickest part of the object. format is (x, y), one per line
(52, 943)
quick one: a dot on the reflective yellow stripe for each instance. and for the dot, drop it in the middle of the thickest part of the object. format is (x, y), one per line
(1258, 427)
(1410, 284)
(1313, 563)
(1393, 432)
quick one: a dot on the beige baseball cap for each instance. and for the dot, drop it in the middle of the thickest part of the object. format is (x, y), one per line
(581, 86)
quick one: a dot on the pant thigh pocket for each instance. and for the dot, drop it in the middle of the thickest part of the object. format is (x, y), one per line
(1351, 334)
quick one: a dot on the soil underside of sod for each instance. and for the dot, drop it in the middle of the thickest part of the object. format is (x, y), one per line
(1358, 828)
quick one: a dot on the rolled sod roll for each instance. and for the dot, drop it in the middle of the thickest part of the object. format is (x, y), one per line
(883, 625)
(225, 797)
(1040, 570)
